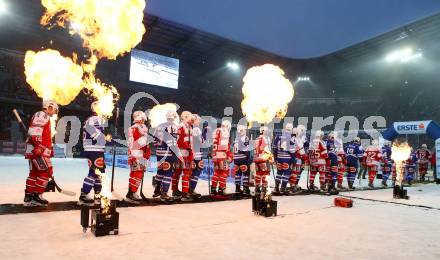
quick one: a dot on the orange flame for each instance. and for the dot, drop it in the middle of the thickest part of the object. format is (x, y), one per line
(267, 94)
(108, 28)
(53, 76)
(399, 153)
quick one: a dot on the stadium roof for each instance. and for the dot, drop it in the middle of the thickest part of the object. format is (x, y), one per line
(295, 28)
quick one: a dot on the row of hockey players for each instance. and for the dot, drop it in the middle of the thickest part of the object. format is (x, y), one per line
(180, 159)
(178, 152)
(331, 160)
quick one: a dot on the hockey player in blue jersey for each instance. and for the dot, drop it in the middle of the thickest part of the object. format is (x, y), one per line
(94, 141)
(333, 159)
(283, 149)
(410, 167)
(242, 161)
(387, 164)
(167, 154)
(353, 153)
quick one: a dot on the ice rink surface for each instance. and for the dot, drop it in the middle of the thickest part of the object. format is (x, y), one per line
(307, 227)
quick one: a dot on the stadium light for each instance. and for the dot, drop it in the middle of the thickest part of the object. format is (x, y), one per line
(233, 65)
(2, 6)
(304, 78)
(403, 55)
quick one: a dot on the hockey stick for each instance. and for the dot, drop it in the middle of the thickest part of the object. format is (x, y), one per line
(114, 149)
(52, 179)
(142, 189)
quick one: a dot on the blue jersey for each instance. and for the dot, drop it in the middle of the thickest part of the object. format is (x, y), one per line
(331, 147)
(354, 150)
(386, 154)
(283, 147)
(93, 134)
(412, 160)
(242, 149)
(166, 140)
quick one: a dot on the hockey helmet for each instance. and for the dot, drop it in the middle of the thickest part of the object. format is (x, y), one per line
(264, 130)
(171, 115)
(333, 135)
(186, 116)
(319, 134)
(94, 106)
(357, 140)
(139, 116)
(50, 103)
(226, 125)
(295, 131)
(196, 119)
(424, 146)
(241, 129)
(301, 130)
(288, 127)
(375, 142)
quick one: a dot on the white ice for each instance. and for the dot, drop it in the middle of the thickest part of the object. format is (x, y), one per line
(308, 227)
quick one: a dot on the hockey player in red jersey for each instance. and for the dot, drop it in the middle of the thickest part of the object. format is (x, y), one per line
(185, 145)
(222, 157)
(199, 140)
(38, 152)
(317, 157)
(300, 159)
(138, 155)
(342, 161)
(262, 158)
(373, 158)
(423, 157)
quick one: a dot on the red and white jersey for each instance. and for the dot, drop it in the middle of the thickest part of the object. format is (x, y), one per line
(185, 139)
(423, 156)
(138, 147)
(373, 156)
(341, 156)
(40, 134)
(221, 145)
(262, 151)
(317, 153)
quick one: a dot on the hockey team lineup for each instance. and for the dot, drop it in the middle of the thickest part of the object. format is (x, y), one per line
(282, 130)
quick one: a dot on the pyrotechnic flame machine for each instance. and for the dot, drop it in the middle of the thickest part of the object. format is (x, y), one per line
(52, 182)
(400, 152)
(103, 221)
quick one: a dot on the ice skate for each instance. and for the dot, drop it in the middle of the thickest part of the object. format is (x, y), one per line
(221, 193)
(97, 199)
(28, 200)
(195, 195)
(257, 190)
(165, 198)
(156, 192)
(213, 191)
(132, 198)
(312, 187)
(177, 195)
(277, 188)
(238, 189)
(38, 200)
(341, 187)
(246, 191)
(86, 200)
(187, 197)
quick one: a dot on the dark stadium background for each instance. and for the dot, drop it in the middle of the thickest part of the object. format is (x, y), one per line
(351, 82)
